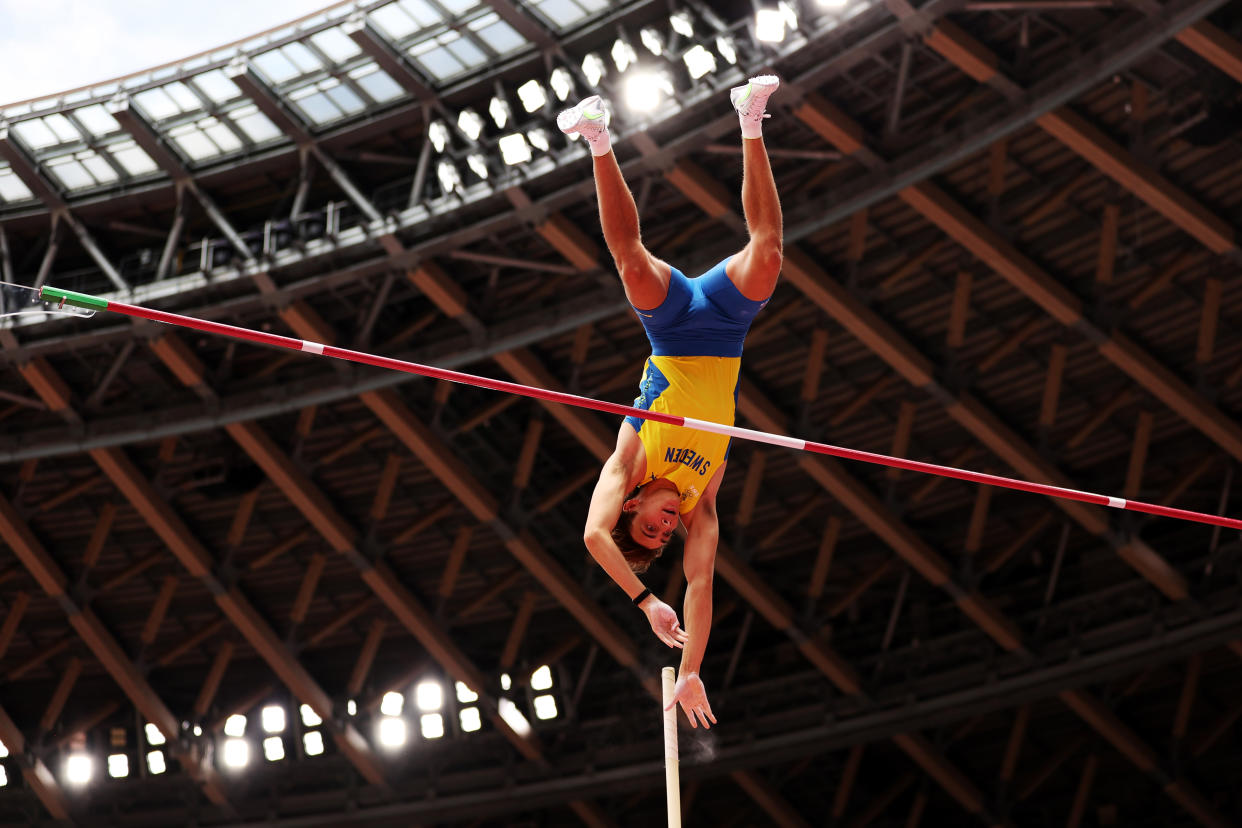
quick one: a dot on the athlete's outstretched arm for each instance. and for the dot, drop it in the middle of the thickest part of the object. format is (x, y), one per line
(699, 561)
(610, 492)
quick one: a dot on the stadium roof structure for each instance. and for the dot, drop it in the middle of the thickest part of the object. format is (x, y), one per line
(1010, 246)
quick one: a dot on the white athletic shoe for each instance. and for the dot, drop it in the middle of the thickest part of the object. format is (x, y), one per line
(751, 100)
(588, 118)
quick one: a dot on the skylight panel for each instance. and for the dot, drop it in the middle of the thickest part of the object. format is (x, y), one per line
(465, 51)
(336, 45)
(302, 57)
(562, 13)
(404, 18)
(217, 86)
(221, 135)
(70, 173)
(376, 83)
(99, 169)
(97, 120)
(257, 126)
(186, 100)
(458, 7)
(344, 97)
(11, 187)
(423, 13)
(497, 34)
(327, 101)
(132, 158)
(157, 104)
(36, 134)
(276, 66)
(193, 142)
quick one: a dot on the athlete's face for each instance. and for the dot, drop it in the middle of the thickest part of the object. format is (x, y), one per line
(655, 516)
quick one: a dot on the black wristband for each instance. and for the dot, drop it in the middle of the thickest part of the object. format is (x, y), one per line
(642, 596)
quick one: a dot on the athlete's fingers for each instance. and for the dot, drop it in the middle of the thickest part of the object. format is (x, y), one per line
(703, 718)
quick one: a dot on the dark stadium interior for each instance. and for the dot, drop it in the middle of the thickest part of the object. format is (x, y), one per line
(1010, 247)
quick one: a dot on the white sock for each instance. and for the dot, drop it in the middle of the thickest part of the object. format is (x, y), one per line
(751, 129)
(600, 143)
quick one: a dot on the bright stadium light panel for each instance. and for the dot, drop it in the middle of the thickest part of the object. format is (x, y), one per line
(392, 732)
(273, 718)
(118, 765)
(727, 48)
(274, 748)
(156, 763)
(3, 751)
(513, 717)
(478, 164)
(539, 139)
(470, 719)
(593, 68)
(545, 707)
(790, 13)
(79, 768)
(532, 96)
(505, 681)
(236, 753)
(309, 717)
(464, 694)
(439, 135)
(432, 725)
(562, 82)
(392, 704)
(769, 25)
(155, 737)
(235, 726)
(470, 123)
(499, 110)
(623, 54)
(699, 61)
(312, 743)
(541, 679)
(645, 90)
(4, 777)
(682, 23)
(351, 706)
(450, 180)
(652, 40)
(429, 696)
(514, 149)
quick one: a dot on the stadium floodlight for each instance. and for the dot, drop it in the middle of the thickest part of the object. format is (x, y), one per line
(351, 706)
(156, 763)
(155, 737)
(274, 748)
(312, 742)
(309, 717)
(727, 48)
(392, 732)
(682, 23)
(79, 768)
(235, 726)
(197, 730)
(789, 11)
(392, 703)
(834, 5)
(450, 180)
(470, 719)
(505, 681)
(593, 68)
(432, 725)
(623, 54)
(539, 139)
(429, 696)
(478, 164)
(769, 25)
(438, 134)
(499, 110)
(645, 89)
(545, 707)
(652, 40)
(514, 149)
(470, 123)
(541, 679)
(699, 61)
(118, 765)
(532, 96)
(236, 753)
(562, 82)
(465, 695)
(513, 717)
(4, 777)
(3, 751)
(273, 718)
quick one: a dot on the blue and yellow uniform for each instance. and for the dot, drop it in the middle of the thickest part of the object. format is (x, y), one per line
(696, 337)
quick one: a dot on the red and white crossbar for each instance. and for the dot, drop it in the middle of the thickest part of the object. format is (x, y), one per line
(83, 300)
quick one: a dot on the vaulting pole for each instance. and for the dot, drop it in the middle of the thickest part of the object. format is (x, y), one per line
(672, 765)
(81, 300)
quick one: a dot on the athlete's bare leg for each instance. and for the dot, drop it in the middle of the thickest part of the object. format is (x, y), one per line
(756, 268)
(644, 277)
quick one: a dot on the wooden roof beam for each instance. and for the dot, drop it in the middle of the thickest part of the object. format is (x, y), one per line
(46, 789)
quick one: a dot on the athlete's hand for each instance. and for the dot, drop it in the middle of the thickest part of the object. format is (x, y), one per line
(693, 697)
(664, 623)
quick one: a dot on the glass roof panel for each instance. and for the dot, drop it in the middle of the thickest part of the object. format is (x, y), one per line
(276, 66)
(497, 34)
(183, 97)
(157, 104)
(436, 60)
(318, 108)
(400, 20)
(376, 83)
(467, 52)
(458, 7)
(336, 45)
(423, 13)
(346, 98)
(193, 142)
(562, 13)
(221, 135)
(302, 58)
(70, 173)
(132, 158)
(97, 120)
(11, 187)
(257, 126)
(217, 86)
(36, 134)
(100, 169)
